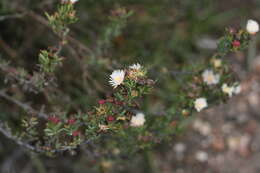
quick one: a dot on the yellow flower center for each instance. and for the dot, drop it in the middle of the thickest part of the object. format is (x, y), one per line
(210, 78)
(117, 79)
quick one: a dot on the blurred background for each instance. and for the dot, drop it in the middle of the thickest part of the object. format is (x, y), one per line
(165, 36)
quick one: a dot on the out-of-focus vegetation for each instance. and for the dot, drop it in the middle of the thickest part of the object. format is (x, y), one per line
(170, 37)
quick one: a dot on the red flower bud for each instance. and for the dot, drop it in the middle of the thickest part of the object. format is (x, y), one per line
(110, 118)
(76, 133)
(71, 121)
(118, 103)
(101, 102)
(236, 43)
(54, 119)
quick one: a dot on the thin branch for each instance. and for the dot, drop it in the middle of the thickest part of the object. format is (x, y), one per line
(23, 144)
(45, 22)
(11, 16)
(12, 73)
(19, 142)
(24, 106)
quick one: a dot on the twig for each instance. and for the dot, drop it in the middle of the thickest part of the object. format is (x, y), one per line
(24, 106)
(9, 135)
(36, 149)
(12, 16)
(45, 22)
(23, 144)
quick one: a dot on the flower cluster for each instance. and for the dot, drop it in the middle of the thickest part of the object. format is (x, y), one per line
(216, 79)
(215, 83)
(115, 113)
(230, 90)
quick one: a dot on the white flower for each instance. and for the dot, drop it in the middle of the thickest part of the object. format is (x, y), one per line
(200, 103)
(217, 63)
(137, 120)
(103, 127)
(228, 90)
(201, 156)
(210, 78)
(237, 89)
(117, 77)
(136, 66)
(73, 1)
(252, 26)
(179, 147)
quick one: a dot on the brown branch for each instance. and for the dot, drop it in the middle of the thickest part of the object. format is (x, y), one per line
(11, 16)
(19, 142)
(45, 22)
(24, 106)
(7, 133)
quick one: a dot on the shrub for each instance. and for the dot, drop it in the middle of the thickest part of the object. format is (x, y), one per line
(64, 114)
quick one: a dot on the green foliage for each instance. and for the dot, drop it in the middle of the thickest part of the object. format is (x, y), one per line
(48, 61)
(60, 20)
(227, 43)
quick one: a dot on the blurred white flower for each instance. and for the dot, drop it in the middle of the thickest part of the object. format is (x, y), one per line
(137, 120)
(71, 1)
(179, 147)
(117, 77)
(252, 26)
(228, 90)
(136, 66)
(237, 89)
(202, 127)
(210, 78)
(201, 156)
(103, 127)
(200, 103)
(233, 142)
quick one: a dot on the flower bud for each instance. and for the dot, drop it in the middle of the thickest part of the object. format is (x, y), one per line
(185, 112)
(236, 43)
(110, 118)
(76, 133)
(71, 121)
(101, 102)
(54, 119)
